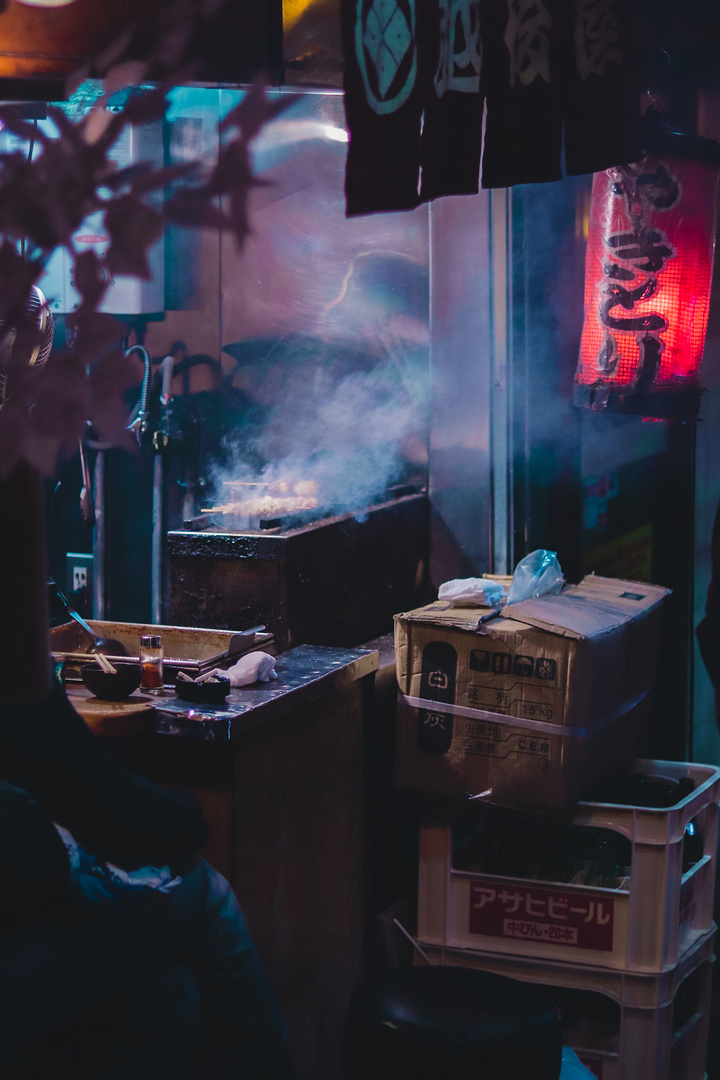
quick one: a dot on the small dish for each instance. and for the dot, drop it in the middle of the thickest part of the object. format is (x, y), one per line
(205, 693)
(109, 686)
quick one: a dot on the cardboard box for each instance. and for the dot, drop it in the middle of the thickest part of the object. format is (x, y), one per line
(530, 707)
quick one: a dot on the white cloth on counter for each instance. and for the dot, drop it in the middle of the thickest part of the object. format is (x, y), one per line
(472, 592)
(253, 667)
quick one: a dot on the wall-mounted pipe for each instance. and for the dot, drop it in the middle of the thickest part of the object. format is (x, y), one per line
(158, 503)
(138, 422)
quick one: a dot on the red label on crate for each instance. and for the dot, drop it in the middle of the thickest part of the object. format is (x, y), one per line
(502, 909)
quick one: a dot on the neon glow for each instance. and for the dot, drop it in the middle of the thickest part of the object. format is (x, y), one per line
(648, 272)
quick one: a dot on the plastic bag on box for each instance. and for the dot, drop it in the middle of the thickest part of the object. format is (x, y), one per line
(471, 592)
(537, 574)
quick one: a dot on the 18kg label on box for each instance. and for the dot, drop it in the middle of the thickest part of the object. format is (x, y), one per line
(552, 916)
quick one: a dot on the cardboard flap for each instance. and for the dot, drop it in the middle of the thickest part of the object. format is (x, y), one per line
(596, 606)
(442, 613)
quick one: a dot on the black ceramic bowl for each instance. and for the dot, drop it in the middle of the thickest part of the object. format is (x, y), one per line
(109, 687)
(206, 693)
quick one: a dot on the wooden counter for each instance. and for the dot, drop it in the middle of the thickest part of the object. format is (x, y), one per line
(279, 776)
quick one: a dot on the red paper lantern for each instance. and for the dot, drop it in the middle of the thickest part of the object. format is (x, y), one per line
(648, 272)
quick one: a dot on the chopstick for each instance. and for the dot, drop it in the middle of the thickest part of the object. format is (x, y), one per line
(88, 657)
(105, 663)
(206, 675)
(99, 658)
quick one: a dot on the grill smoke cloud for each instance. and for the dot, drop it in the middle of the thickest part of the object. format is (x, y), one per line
(354, 434)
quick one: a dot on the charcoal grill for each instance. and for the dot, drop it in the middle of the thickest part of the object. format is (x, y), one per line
(334, 581)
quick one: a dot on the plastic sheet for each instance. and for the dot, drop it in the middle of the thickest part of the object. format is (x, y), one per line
(472, 592)
(537, 574)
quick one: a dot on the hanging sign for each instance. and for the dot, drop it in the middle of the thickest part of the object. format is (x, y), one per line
(648, 273)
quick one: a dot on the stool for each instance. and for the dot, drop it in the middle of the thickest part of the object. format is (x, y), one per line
(446, 1023)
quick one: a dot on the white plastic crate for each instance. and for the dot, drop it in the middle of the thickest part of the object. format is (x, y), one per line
(659, 1024)
(646, 925)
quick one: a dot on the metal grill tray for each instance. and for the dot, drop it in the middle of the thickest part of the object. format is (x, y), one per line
(187, 648)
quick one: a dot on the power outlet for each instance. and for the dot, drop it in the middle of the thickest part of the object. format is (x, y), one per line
(79, 582)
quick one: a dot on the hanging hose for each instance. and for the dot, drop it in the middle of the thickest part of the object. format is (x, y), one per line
(139, 417)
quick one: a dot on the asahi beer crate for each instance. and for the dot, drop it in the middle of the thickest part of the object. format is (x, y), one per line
(532, 706)
(624, 887)
(621, 1025)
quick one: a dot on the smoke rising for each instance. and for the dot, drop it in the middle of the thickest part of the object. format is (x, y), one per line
(352, 433)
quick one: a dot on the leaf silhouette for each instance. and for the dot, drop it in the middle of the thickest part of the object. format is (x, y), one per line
(73, 175)
(17, 275)
(146, 106)
(143, 176)
(253, 111)
(194, 208)
(91, 278)
(133, 227)
(23, 128)
(109, 378)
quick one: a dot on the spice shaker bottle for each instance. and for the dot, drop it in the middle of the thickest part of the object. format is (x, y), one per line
(151, 659)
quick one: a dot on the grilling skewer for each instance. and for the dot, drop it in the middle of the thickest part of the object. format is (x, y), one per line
(253, 508)
(278, 487)
(282, 497)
